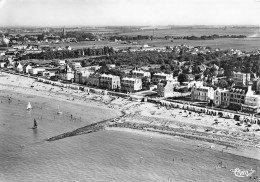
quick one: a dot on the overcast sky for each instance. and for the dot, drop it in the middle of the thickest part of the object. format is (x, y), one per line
(129, 12)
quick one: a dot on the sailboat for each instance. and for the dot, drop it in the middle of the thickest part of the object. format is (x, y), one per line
(34, 124)
(29, 107)
(59, 112)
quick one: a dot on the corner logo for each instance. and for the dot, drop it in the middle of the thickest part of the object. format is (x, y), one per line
(243, 173)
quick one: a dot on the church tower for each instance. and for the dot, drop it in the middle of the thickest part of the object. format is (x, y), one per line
(63, 32)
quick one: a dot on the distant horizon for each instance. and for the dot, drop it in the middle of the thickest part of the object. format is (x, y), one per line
(100, 13)
(100, 26)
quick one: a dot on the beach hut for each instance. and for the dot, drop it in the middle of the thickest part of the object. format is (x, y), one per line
(136, 98)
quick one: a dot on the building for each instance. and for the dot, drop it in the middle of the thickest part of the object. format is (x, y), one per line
(166, 88)
(193, 83)
(2, 64)
(158, 77)
(111, 66)
(59, 62)
(191, 77)
(110, 82)
(46, 73)
(141, 73)
(225, 98)
(75, 65)
(68, 48)
(82, 74)
(237, 97)
(221, 98)
(94, 68)
(27, 68)
(256, 85)
(241, 79)
(130, 85)
(93, 80)
(35, 71)
(19, 67)
(67, 74)
(202, 67)
(202, 93)
(252, 102)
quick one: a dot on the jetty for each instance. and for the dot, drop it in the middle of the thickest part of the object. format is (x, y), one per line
(94, 127)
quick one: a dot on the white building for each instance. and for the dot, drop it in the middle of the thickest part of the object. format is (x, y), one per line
(221, 98)
(252, 102)
(241, 79)
(131, 84)
(202, 93)
(35, 71)
(19, 67)
(68, 48)
(2, 64)
(27, 68)
(110, 82)
(158, 77)
(166, 88)
(193, 83)
(141, 73)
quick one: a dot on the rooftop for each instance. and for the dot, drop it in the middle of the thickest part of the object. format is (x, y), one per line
(109, 76)
(130, 79)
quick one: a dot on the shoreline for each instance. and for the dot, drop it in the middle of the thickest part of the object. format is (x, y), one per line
(137, 114)
(197, 143)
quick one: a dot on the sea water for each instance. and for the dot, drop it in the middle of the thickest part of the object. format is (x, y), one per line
(102, 156)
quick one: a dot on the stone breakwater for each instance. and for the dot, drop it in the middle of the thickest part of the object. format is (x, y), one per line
(94, 127)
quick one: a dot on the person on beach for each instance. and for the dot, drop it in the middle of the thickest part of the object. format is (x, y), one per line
(220, 165)
(71, 116)
(9, 100)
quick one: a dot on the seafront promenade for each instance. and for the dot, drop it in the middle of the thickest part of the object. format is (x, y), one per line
(144, 116)
(185, 105)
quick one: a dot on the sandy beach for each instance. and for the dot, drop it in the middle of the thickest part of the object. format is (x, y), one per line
(147, 116)
(138, 146)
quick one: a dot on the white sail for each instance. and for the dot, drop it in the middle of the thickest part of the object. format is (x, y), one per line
(29, 106)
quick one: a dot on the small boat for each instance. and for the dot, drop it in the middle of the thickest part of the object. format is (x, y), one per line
(59, 112)
(34, 124)
(29, 107)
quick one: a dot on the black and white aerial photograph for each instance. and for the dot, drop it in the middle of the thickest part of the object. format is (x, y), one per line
(129, 90)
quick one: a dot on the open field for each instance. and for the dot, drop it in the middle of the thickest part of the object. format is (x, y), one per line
(90, 44)
(246, 44)
(181, 31)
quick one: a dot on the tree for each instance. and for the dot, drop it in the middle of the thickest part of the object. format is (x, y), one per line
(222, 83)
(183, 78)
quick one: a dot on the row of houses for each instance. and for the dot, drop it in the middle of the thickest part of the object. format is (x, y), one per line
(112, 82)
(236, 98)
